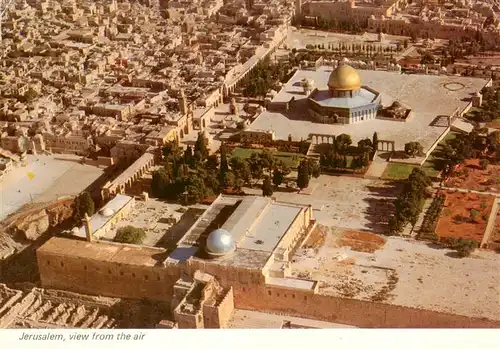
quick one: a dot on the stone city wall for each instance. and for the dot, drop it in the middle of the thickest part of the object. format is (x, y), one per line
(156, 283)
(106, 278)
(225, 308)
(348, 311)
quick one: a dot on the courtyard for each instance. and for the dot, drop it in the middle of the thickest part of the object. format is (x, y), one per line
(428, 110)
(164, 223)
(300, 38)
(347, 202)
(44, 178)
(402, 272)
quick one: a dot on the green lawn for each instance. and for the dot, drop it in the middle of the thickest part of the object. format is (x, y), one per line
(396, 171)
(290, 159)
(431, 167)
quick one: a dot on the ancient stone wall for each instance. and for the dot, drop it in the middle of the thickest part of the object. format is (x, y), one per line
(226, 308)
(107, 278)
(349, 311)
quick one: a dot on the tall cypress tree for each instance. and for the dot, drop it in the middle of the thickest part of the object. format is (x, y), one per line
(201, 145)
(375, 141)
(224, 167)
(303, 175)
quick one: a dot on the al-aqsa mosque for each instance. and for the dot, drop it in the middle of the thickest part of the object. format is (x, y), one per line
(345, 100)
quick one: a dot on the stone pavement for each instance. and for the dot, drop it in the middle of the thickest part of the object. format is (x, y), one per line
(377, 168)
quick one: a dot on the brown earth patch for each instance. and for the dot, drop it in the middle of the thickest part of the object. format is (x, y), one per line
(361, 241)
(457, 218)
(469, 175)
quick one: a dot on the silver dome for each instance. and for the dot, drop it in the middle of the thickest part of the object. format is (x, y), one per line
(219, 242)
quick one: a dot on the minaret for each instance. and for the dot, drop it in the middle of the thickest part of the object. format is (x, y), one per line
(183, 106)
(88, 228)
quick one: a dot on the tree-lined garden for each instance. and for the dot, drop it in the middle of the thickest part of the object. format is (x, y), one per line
(342, 155)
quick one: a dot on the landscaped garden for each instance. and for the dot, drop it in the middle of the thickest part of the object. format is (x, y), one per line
(464, 215)
(291, 160)
(477, 175)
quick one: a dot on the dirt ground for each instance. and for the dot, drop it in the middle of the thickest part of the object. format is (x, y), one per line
(476, 178)
(457, 218)
(361, 241)
(340, 274)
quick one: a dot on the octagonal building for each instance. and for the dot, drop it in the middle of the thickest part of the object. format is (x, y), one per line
(345, 101)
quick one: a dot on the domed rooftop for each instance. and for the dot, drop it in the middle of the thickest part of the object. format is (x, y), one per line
(219, 242)
(344, 78)
(107, 212)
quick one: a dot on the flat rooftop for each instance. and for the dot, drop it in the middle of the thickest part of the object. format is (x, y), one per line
(429, 96)
(108, 252)
(270, 227)
(98, 220)
(256, 223)
(292, 283)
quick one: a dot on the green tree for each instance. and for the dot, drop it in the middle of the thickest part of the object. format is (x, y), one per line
(267, 187)
(278, 177)
(160, 183)
(196, 190)
(375, 141)
(212, 163)
(171, 151)
(130, 235)
(224, 167)
(303, 175)
(256, 166)
(188, 156)
(267, 160)
(410, 202)
(342, 143)
(464, 247)
(230, 181)
(414, 149)
(314, 168)
(83, 204)
(240, 168)
(201, 145)
(474, 214)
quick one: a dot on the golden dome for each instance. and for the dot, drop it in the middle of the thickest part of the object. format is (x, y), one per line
(344, 78)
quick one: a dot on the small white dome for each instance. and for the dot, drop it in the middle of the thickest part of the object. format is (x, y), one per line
(75, 230)
(107, 212)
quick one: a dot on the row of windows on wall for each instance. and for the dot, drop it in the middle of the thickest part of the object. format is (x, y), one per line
(270, 293)
(121, 273)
